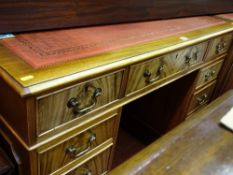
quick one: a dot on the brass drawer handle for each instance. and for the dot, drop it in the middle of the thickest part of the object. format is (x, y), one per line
(75, 102)
(202, 99)
(147, 74)
(220, 47)
(210, 74)
(88, 172)
(193, 56)
(74, 151)
(82, 171)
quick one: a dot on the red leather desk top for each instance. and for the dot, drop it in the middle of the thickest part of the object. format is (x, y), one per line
(42, 49)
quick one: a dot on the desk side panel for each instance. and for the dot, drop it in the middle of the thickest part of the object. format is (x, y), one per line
(14, 111)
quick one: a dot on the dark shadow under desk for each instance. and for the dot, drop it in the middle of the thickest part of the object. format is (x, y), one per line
(200, 145)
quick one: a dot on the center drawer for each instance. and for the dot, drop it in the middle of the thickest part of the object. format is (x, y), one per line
(160, 68)
(72, 150)
(77, 101)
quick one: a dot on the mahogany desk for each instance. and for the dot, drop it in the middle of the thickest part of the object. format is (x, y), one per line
(200, 145)
(64, 118)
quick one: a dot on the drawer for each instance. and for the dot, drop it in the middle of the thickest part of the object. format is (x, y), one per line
(77, 101)
(96, 166)
(201, 97)
(219, 46)
(188, 57)
(58, 156)
(208, 74)
(160, 68)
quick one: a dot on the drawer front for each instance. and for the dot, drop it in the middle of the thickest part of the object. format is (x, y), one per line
(186, 58)
(208, 74)
(66, 105)
(76, 148)
(219, 46)
(160, 68)
(147, 73)
(201, 97)
(96, 166)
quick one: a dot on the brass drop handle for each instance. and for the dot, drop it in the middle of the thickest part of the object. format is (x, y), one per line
(220, 47)
(190, 57)
(74, 151)
(211, 73)
(83, 171)
(75, 102)
(87, 172)
(147, 74)
(202, 99)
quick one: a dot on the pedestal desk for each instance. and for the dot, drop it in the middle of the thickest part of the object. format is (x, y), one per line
(63, 117)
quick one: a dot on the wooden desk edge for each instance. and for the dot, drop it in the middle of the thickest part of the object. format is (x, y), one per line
(144, 157)
(37, 88)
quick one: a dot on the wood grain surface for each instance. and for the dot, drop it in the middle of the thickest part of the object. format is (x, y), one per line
(96, 166)
(198, 95)
(57, 156)
(8, 107)
(225, 40)
(106, 148)
(209, 73)
(53, 111)
(198, 146)
(18, 16)
(171, 63)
